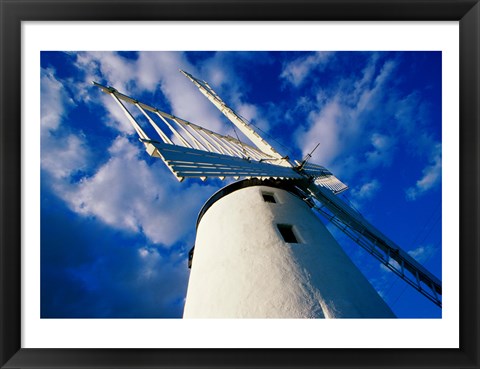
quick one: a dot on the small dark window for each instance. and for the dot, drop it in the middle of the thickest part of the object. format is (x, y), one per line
(268, 197)
(286, 230)
(190, 257)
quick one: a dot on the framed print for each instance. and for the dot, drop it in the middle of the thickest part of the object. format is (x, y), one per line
(100, 241)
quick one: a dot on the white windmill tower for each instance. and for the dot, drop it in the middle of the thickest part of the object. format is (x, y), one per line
(260, 250)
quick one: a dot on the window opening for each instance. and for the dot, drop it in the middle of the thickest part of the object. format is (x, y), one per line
(190, 257)
(268, 197)
(286, 230)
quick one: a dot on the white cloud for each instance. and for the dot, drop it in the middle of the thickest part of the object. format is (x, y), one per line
(325, 129)
(368, 98)
(423, 253)
(127, 194)
(406, 112)
(118, 71)
(363, 193)
(55, 101)
(150, 263)
(215, 76)
(382, 152)
(431, 175)
(380, 142)
(62, 152)
(366, 190)
(363, 84)
(343, 122)
(296, 71)
(62, 157)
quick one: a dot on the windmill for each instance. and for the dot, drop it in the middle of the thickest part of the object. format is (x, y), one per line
(261, 250)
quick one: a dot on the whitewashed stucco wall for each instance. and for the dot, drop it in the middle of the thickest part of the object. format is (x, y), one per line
(242, 268)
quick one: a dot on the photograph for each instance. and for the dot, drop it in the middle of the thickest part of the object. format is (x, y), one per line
(241, 184)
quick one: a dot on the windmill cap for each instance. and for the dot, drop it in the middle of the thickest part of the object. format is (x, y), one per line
(287, 185)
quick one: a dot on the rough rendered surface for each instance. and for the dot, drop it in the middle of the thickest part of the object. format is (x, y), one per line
(242, 268)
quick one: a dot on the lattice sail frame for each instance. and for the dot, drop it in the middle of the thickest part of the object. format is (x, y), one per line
(190, 150)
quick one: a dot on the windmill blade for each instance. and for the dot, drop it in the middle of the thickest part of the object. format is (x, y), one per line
(188, 162)
(190, 150)
(370, 238)
(323, 177)
(237, 120)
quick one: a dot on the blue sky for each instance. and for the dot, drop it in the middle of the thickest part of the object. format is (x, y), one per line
(116, 226)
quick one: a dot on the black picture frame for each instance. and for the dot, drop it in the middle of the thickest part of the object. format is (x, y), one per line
(467, 12)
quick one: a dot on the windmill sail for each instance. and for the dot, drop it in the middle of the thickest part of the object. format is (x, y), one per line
(380, 246)
(253, 136)
(187, 162)
(323, 177)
